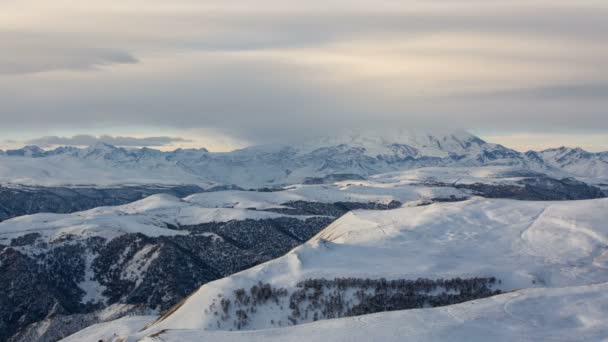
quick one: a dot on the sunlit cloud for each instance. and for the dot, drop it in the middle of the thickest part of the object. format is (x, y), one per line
(88, 140)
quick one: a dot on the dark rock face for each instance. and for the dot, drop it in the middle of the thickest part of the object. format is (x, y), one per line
(31, 200)
(43, 280)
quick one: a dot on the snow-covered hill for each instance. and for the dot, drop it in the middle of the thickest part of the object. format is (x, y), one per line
(26, 200)
(58, 270)
(349, 155)
(430, 183)
(151, 253)
(461, 250)
(544, 314)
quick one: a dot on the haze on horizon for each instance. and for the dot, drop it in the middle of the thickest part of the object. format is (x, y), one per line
(227, 74)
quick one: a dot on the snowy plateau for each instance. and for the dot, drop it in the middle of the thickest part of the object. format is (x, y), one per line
(404, 237)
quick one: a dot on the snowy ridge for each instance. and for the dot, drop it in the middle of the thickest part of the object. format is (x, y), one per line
(149, 216)
(348, 191)
(577, 161)
(406, 143)
(476, 238)
(544, 314)
(155, 251)
(260, 166)
(111, 331)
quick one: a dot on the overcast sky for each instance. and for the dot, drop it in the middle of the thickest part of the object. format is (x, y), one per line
(223, 74)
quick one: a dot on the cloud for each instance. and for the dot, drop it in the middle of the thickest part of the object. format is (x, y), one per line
(281, 69)
(276, 95)
(577, 91)
(88, 140)
(27, 52)
(590, 141)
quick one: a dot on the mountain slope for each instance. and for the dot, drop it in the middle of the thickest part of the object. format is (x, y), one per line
(577, 161)
(453, 246)
(57, 269)
(26, 200)
(565, 314)
(152, 253)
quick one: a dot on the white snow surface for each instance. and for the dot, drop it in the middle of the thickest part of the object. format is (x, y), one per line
(524, 244)
(544, 314)
(148, 216)
(503, 175)
(92, 288)
(151, 215)
(111, 331)
(68, 170)
(347, 191)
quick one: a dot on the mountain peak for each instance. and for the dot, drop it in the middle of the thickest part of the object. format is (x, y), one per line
(102, 146)
(438, 143)
(103, 150)
(27, 151)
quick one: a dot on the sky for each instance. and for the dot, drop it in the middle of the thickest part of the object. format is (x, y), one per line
(224, 74)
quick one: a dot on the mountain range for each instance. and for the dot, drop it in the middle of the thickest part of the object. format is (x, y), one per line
(352, 155)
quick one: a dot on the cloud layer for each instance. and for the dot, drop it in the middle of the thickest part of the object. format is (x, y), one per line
(281, 69)
(88, 140)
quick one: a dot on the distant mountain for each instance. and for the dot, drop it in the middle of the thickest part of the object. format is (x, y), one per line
(27, 151)
(577, 161)
(271, 165)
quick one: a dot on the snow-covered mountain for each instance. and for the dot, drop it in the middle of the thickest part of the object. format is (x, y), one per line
(419, 257)
(59, 270)
(64, 269)
(354, 155)
(576, 161)
(149, 254)
(547, 314)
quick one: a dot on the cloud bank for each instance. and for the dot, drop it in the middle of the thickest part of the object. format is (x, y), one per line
(282, 69)
(88, 140)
